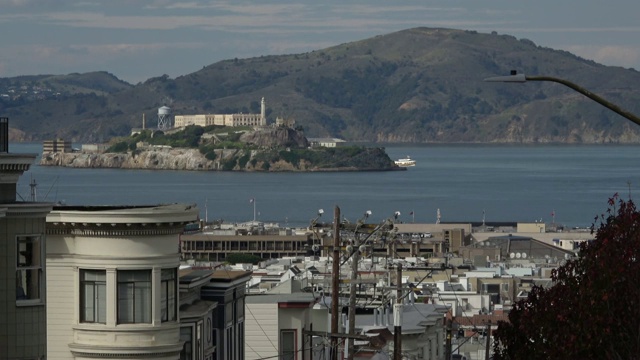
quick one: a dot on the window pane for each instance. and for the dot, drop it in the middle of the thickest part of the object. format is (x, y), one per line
(93, 296)
(101, 303)
(134, 296)
(28, 268)
(28, 284)
(142, 302)
(28, 253)
(168, 295)
(125, 303)
(88, 299)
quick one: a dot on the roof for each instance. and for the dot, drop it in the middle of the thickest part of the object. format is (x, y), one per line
(229, 275)
(416, 317)
(188, 276)
(302, 298)
(196, 309)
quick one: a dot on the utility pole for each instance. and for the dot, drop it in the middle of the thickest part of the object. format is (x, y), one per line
(352, 296)
(397, 316)
(447, 349)
(335, 283)
(488, 344)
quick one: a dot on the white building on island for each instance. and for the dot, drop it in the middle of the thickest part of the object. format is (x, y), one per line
(232, 120)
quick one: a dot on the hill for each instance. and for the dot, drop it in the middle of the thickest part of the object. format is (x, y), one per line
(417, 85)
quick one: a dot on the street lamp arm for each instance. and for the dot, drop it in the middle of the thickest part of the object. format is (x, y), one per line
(588, 94)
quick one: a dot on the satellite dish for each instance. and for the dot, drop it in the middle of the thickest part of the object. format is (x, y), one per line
(524, 255)
(362, 248)
(349, 248)
(512, 255)
(315, 247)
(518, 255)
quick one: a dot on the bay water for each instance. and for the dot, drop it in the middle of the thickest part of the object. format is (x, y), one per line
(570, 184)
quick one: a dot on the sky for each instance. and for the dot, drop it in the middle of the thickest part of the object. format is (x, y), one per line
(139, 39)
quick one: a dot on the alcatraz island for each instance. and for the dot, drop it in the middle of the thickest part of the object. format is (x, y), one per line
(219, 142)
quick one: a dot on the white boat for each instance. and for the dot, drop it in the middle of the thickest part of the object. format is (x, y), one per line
(406, 162)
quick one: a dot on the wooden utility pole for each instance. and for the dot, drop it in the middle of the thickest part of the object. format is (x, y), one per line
(488, 344)
(397, 317)
(335, 284)
(352, 295)
(447, 346)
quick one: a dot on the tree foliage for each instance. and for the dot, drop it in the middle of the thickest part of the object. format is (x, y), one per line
(591, 311)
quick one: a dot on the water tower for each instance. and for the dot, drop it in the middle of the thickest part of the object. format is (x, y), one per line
(164, 118)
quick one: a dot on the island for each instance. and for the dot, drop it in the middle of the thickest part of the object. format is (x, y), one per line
(220, 148)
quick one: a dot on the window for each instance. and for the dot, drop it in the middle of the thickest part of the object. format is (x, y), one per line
(288, 345)
(240, 342)
(187, 348)
(134, 296)
(28, 268)
(240, 309)
(168, 299)
(93, 296)
(228, 313)
(228, 343)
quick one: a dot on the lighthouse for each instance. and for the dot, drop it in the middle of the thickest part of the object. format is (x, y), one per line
(263, 117)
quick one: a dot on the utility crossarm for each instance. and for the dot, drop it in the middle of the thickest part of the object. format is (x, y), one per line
(338, 335)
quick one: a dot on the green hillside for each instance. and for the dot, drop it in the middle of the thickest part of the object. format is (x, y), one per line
(417, 85)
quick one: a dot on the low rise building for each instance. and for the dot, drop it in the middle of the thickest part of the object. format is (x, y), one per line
(56, 146)
(212, 247)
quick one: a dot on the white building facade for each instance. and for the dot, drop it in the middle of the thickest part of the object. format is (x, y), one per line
(232, 120)
(113, 283)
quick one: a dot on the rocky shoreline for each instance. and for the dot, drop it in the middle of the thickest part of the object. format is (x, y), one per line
(193, 160)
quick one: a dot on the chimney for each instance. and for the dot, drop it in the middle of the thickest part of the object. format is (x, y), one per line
(4, 134)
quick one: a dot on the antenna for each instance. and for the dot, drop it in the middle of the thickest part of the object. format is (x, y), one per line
(34, 189)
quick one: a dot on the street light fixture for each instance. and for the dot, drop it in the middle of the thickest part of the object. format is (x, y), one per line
(520, 78)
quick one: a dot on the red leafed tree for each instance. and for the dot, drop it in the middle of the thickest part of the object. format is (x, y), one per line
(593, 309)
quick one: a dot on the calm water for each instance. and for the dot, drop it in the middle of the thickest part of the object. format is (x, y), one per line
(508, 183)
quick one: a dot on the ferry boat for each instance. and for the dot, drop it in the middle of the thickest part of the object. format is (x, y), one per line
(406, 162)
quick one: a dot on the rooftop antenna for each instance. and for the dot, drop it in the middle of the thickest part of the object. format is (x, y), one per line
(34, 190)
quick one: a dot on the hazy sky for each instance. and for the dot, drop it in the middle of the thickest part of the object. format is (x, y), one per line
(139, 39)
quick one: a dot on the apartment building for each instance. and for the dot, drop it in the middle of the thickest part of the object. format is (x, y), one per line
(113, 283)
(23, 296)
